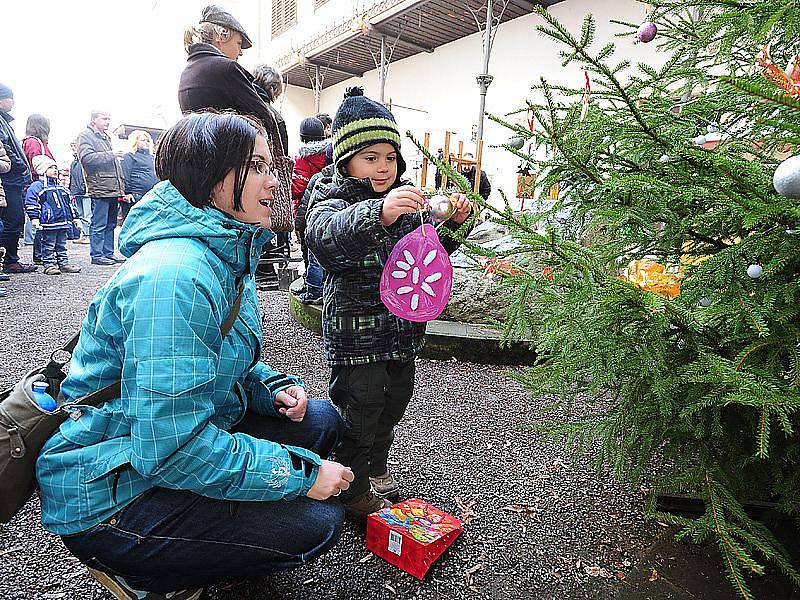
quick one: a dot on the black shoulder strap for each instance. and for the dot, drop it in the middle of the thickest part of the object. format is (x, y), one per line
(113, 390)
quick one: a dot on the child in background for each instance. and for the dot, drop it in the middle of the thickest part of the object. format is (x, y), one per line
(354, 222)
(50, 210)
(309, 161)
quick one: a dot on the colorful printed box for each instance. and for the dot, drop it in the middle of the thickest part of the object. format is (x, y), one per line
(411, 535)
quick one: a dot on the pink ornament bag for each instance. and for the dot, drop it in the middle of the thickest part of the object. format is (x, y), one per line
(418, 278)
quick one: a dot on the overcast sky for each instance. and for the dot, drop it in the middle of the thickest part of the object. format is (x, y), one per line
(63, 58)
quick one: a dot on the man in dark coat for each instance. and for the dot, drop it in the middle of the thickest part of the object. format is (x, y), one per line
(104, 184)
(14, 182)
(469, 173)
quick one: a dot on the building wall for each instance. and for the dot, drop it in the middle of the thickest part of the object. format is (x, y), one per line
(441, 94)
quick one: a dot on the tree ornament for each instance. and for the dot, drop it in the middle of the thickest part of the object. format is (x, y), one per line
(664, 159)
(699, 140)
(647, 32)
(517, 141)
(755, 271)
(417, 279)
(705, 301)
(787, 178)
(441, 207)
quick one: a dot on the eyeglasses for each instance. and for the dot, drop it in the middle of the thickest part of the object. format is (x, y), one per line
(260, 166)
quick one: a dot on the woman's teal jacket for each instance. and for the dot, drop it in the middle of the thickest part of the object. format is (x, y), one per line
(155, 326)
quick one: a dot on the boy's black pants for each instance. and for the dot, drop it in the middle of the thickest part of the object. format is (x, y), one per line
(372, 399)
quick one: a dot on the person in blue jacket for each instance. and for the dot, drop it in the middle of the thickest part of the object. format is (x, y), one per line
(138, 170)
(49, 207)
(210, 464)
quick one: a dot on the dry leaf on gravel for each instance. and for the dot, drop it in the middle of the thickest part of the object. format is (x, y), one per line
(653, 575)
(366, 558)
(526, 509)
(469, 576)
(389, 587)
(466, 504)
(598, 572)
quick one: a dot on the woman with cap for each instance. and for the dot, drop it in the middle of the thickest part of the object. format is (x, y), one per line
(212, 77)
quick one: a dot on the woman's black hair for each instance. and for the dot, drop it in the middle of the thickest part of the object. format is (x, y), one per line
(198, 152)
(38, 126)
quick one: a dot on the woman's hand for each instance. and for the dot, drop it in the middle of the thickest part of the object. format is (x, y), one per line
(462, 208)
(332, 478)
(400, 201)
(292, 403)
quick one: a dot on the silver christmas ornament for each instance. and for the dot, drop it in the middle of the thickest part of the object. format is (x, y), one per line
(755, 271)
(517, 141)
(699, 140)
(705, 301)
(787, 178)
(441, 207)
(712, 128)
(664, 159)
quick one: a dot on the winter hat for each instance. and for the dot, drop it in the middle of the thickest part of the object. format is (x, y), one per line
(42, 162)
(359, 123)
(219, 16)
(311, 128)
(5, 92)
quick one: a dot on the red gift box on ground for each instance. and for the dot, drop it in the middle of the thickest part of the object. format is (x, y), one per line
(411, 535)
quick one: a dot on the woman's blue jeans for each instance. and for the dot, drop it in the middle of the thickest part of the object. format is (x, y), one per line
(169, 540)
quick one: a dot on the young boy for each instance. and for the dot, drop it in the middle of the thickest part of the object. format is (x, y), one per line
(49, 207)
(353, 224)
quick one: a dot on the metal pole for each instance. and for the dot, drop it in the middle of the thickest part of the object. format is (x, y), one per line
(484, 79)
(382, 70)
(317, 88)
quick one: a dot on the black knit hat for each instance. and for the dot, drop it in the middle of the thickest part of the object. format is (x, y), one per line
(219, 16)
(359, 123)
(311, 128)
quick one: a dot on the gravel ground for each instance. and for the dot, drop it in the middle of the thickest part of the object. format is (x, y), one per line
(540, 524)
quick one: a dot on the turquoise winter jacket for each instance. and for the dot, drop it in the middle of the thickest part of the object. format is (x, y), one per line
(156, 327)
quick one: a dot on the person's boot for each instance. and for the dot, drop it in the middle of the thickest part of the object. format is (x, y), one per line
(360, 507)
(69, 268)
(385, 486)
(19, 267)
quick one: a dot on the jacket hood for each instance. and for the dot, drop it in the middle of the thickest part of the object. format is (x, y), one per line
(163, 213)
(314, 147)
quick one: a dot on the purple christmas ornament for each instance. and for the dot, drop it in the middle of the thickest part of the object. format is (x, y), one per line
(647, 32)
(417, 279)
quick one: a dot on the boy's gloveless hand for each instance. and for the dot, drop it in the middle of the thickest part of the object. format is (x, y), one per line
(292, 403)
(332, 478)
(462, 208)
(403, 200)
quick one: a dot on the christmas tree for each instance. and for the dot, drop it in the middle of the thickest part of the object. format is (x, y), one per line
(670, 294)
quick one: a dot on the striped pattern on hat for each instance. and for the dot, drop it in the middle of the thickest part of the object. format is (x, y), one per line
(359, 123)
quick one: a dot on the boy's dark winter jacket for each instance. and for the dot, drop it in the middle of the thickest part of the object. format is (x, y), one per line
(309, 161)
(346, 236)
(50, 202)
(139, 171)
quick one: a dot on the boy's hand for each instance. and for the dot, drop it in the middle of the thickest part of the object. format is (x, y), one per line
(403, 200)
(462, 208)
(36, 224)
(292, 403)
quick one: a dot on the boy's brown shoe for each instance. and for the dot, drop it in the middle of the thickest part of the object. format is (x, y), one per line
(69, 269)
(385, 486)
(360, 507)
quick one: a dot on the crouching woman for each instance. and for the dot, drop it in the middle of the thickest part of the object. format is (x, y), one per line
(208, 464)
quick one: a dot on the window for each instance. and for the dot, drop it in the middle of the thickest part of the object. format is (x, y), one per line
(284, 15)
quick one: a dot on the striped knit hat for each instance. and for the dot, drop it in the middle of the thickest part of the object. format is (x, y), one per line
(359, 123)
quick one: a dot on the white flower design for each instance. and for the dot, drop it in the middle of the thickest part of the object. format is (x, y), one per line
(409, 267)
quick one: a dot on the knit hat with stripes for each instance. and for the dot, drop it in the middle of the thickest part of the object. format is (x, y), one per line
(359, 123)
